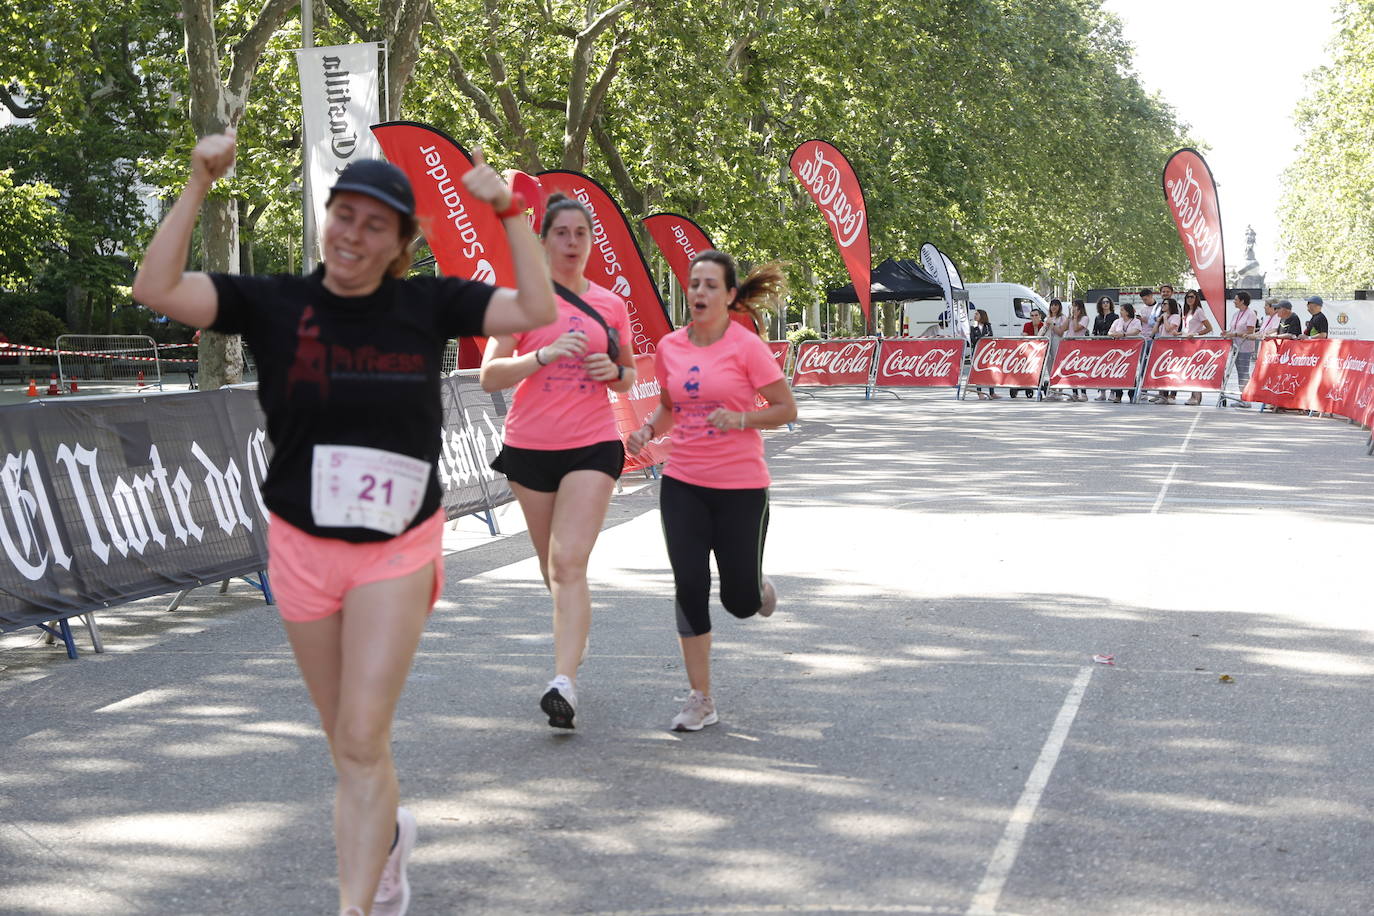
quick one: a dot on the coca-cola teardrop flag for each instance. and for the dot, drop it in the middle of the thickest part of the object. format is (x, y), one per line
(679, 239)
(1191, 193)
(829, 179)
(616, 262)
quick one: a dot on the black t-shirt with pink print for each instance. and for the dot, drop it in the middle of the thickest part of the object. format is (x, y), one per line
(350, 372)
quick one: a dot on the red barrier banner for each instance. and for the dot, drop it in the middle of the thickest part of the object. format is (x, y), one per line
(832, 184)
(920, 363)
(1009, 362)
(1191, 193)
(679, 239)
(1096, 363)
(631, 410)
(780, 349)
(1347, 386)
(1288, 373)
(616, 262)
(1197, 364)
(834, 362)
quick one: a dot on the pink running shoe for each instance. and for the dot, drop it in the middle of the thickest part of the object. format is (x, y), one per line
(699, 711)
(393, 891)
(770, 598)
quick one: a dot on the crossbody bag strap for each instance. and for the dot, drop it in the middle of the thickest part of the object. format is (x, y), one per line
(612, 336)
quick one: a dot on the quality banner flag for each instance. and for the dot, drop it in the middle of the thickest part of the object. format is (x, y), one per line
(1191, 193)
(829, 179)
(616, 262)
(339, 101)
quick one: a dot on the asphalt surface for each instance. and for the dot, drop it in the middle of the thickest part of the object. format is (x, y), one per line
(921, 728)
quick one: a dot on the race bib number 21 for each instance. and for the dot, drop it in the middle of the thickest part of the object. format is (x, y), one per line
(357, 487)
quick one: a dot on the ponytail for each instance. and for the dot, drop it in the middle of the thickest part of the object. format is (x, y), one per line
(761, 291)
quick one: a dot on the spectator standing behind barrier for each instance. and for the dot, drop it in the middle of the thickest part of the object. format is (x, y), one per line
(1077, 326)
(354, 577)
(713, 497)
(562, 453)
(1290, 327)
(1195, 324)
(1056, 323)
(1169, 326)
(1102, 326)
(1126, 326)
(1241, 334)
(1149, 312)
(982, 327)
(1316, 325)
(1033, 328)
(1269, 324)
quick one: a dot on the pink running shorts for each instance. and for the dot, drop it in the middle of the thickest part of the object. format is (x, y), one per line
(310, 575)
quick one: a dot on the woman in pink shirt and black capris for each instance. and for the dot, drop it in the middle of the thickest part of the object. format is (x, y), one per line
(714, 494)
(562, 452)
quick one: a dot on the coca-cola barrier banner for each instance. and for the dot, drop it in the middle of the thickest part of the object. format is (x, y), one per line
(906, 363)
(1330, 376)
(1191, 193)
(616, 262)
(834, 362)
(780, 350)
(105, 502)
(1096, 363)
(1009, 362)
(1198, 364)
(829, 179)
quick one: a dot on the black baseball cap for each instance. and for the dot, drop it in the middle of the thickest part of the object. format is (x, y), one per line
(379, 180)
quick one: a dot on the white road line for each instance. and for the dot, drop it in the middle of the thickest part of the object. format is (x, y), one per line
(1159, 500)
(1184, 447)
(1004, 857)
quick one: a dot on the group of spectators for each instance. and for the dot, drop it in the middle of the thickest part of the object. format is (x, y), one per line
(1159, 316)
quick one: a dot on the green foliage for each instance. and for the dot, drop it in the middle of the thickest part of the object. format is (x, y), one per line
(800, 334)
(23, 319)
(30, 227)
(1327, 208)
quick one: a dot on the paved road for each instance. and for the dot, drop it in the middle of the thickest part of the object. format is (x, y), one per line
(920, 728)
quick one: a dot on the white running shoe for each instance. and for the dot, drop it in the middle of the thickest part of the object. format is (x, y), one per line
(393, 891)
(559, 702)
(770, 598)
(699, 711)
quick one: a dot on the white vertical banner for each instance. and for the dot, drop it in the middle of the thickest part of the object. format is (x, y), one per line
(339, 105)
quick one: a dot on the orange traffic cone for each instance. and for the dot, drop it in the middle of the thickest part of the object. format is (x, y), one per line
(140, 379)
(52, 385)
(73, 384)
(33, 388)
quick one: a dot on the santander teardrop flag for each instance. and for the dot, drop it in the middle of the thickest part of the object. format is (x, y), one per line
(679, 239)
(616, 262)
(1191, 192)
(466, 237)
(829, 179)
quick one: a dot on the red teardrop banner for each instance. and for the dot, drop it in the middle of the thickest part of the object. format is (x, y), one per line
(1191, 192)
(829, 179)
(679, 239)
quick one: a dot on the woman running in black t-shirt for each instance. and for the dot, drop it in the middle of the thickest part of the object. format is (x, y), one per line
(349, 362)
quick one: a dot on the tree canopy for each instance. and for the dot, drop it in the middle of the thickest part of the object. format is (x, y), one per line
(1012, 133)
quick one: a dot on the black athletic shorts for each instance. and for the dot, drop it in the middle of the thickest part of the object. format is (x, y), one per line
(543, 469)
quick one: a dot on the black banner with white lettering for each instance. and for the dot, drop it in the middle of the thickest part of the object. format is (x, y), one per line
(105, 501)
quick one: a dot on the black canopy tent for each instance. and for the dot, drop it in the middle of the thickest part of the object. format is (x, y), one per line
(892, 281)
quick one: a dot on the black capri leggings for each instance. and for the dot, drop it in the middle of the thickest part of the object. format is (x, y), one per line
(733, 524)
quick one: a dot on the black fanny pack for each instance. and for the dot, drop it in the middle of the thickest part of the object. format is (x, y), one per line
(612, 335)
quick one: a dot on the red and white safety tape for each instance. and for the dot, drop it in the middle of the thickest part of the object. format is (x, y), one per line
(26, 348)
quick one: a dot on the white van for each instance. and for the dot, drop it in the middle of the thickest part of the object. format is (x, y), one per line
(1008, 306)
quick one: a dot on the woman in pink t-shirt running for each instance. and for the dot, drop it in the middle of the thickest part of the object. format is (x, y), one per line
(562, 453)
(714, 494)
